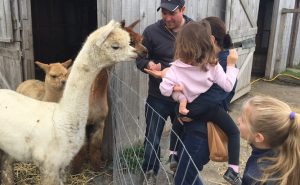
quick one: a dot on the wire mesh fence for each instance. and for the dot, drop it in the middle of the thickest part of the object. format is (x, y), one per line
(129, 129)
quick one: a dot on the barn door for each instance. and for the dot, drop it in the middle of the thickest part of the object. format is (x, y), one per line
(241, 22)
(16, 50)
(26, 39)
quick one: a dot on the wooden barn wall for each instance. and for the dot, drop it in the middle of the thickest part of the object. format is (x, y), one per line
(294, 55)
(16, 57)
(131, 10)
(295, 60)
(241, 21)
(10, 50)
(279, 38)
(284, 37)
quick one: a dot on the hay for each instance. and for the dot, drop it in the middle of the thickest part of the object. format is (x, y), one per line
(26, 173)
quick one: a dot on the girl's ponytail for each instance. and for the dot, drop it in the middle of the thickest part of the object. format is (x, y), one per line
(227, 41)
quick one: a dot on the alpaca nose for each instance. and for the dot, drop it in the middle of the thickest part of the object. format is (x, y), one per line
(63, 82)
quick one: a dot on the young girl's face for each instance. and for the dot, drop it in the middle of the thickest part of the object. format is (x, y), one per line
(244, 124)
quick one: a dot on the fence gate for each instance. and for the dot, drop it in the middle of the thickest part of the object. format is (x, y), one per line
(241, 22)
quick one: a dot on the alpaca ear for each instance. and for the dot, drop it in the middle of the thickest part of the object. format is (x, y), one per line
(132, 25)
(67, 63)
(123, 23)
(43, 66)
(106, 30)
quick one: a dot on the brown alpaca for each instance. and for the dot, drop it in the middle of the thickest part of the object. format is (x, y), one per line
(52, 89)
(98, 110)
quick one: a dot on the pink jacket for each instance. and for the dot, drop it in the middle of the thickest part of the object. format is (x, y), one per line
(196, 81)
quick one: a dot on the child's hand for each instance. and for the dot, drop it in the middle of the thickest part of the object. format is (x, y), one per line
(232, 57)
(153, 66)
(178, 88)
(155, 73)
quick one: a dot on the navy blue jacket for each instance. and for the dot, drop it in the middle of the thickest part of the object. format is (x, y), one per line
(253, 168)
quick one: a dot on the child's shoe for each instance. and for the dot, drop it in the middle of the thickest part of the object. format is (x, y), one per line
(232, 177)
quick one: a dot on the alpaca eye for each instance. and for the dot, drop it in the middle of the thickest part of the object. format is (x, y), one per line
(131, 43)
(115, 46)
(53, 76)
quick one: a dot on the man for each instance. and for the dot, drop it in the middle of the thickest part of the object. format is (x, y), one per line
(159, 39)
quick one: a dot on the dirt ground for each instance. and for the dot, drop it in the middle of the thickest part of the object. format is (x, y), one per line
(287, 92)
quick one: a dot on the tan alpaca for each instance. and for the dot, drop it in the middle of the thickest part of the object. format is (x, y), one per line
(50, 134)
(52, 89)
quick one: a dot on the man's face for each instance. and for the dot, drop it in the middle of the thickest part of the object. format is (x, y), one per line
(174, 19)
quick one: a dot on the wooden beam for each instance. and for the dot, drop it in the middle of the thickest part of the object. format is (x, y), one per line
(248, 58)
(269, 72)
(228, 14)
(293, 39)
(248, 13)
(286, 10)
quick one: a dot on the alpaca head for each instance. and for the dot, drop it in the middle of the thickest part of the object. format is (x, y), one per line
(136, 39)
(109, 45)
(55, 74)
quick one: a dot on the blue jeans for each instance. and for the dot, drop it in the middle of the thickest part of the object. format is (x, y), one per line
(193, 155)
(156, 112)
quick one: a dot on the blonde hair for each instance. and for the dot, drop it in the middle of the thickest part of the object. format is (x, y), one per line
(280, 127)
(194, 45)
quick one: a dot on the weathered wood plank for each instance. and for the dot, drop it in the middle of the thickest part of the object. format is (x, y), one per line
(12, 53)
(238, 35)
(252, 18)
(27, 44)
(279, 41)
(6, 27)
(287, 10)
(11, 74)
(245, 63)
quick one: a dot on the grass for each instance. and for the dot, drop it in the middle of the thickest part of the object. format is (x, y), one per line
(293, 73)
(131, 158)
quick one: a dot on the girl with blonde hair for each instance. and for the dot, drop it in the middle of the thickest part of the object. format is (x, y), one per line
(273, 131)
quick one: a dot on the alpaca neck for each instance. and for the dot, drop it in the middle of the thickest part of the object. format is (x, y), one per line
(74, 101)
(52, 95)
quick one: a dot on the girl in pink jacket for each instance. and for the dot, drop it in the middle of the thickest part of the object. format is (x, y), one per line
(193, 72)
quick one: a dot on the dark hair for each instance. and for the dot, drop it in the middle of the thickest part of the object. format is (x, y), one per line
(218, 30)
(194, 45)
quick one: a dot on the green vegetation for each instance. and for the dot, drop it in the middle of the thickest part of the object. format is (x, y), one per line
(295, 73)
(131, 158)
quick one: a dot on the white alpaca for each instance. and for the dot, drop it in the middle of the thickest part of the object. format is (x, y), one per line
(50, 134)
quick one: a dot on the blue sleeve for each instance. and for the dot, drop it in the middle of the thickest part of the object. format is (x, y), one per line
(223, 58)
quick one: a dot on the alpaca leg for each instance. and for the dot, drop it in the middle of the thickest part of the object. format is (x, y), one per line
(63, 175)
(51, 176)
(7, 176)
(79, 160)
(95, 144)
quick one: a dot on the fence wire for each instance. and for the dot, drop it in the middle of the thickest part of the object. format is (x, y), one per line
(129, 137)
